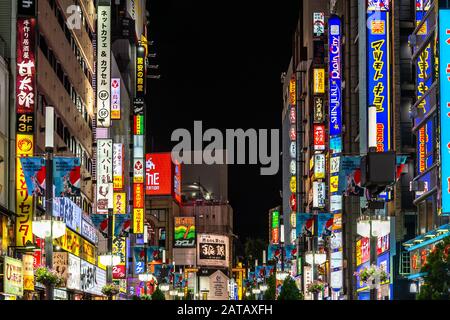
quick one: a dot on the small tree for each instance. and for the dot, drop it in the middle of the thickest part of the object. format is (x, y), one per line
(158, 295)
(269, 294)
(437, 279)
(289, 290)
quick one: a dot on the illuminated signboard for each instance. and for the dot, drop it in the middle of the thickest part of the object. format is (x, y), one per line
(319, 81)
(335, 89)
(319, 137)
(120, 203)
(177, 182)
(275, 226)
(318, 110)
(318, 24)
(119, 248)
(319, 194)
(158, 174)
(362, 251)
(140, 71)
(379, 74)
(118, 166)
(115, 98)
(292, 92)
(104, 175)
(212, 250)
(319, 166)
(444, 75)
(104, 66)
(184, 234)
(13, 276)
(138, 220)
(138, 195)
(138, 170)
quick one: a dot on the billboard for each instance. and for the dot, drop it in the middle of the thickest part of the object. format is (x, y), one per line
(212, 250)
(334, 71)
(104, 66)
(444, 75)
(158, 174)
(184, 234)
(378, 80)
(104, 175)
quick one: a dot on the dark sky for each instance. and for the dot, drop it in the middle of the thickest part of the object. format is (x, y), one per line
(220, 62)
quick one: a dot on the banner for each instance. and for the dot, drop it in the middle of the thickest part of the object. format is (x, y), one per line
(324, 224)
(350, 176)
(305, 224)
(66, 176)
(122, 224)
(100, 221)
(34, 172)
(273, 252)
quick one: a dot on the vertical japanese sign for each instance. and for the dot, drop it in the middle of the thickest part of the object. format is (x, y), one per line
(318, 24)
(104, 66)
(335, 90)
(378, 62)
(104, 175)
(120, 203)
(118, 167)
(13, 276)
(444, 75)
(319, 137)
(319, 81)
(293, 138)
(25, 106)
(119, 248)
(115, 98)
(28, 274)
(140, 71)
(275, 226)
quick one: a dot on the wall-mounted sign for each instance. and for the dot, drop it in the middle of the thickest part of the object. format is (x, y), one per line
(293, 133)
(319, 81)
(292, 92)
(138, 170)
(104, 66)
(104, 175)
(335, 203)
(293, 167)
(293, 150)
(28, 273)
(319, 194)
(335, 164)
(140, 71)
(61, 265)
(118, 166)
(334, 69)
(69, 211)
(138, 220)
(319, 166)
(119, 248)
(293, 184)
(319, 137)
(115, 98)
(184, 234)
(318, 24)
(212, 250)
(73, 273)
(92, 278)
(13, 276)
(120, 203)
(89, 231)
(26, 8)
(138, 195)
(318, 110)
(158, 173)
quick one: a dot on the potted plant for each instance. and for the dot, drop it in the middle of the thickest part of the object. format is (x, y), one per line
(50, 278)
(373, 275)
(110, 290)
(315, 288)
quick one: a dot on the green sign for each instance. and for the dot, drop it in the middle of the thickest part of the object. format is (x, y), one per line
(13, 277)
(275, 219)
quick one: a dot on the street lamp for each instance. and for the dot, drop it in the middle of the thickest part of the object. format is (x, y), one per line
(109, 259)
(315, 258)
(43, 228)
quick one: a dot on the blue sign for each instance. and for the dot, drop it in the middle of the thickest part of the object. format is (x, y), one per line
(383, 262)
(334, 69)
(378, 81)
(305, 224)
(66, 176)
(335, 144)
(444, 75)
(324, 224)
(34, 172)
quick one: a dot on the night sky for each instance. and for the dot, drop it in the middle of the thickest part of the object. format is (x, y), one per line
(220, 62)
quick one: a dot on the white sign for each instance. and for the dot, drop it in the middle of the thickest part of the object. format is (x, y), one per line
(118, 165)
(68, 210)
(104, 67)
(336, 260)
(92, 278)
(334, 164)
(336, 240)
(318, 24)
(319, 166)
(293, 168)
(293, 149)
(335, 203)
(319, 194)
(115, 98)
(336, 280)
(307, 280)
(104, 175)
(89, 231)
(212, 250)
(138, 170)
(218, 286)
(73, 273)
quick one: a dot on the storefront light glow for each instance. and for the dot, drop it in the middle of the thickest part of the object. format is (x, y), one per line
(42, 228)
(263, 287)
(164, 287)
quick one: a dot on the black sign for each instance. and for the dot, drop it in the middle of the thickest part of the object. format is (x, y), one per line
(25, 123)
(212, 251)
(140, 71)
(318, 110)
(26, 8)
(138, 106)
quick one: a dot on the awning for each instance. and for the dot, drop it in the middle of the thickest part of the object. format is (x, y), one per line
(428, 238)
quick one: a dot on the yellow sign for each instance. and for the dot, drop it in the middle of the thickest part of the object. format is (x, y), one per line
(293, 184)
(120, 202)
(358, 252)
(334, 183)
(70, 242)
(138, 220)
(24, 202)
(319, 81)
(337, 221)
(28, 274)
(292, 92)
(88, 252)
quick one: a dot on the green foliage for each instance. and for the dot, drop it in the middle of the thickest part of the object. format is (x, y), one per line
(289, 290)
(48, 277)
(110, 289)
(269, 294)
(158, 295)
(316, 287)
(146, 297)
(437, 279)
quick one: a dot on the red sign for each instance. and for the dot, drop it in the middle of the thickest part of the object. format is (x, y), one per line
(293, 202)
(292, 115)
(25, 67)
(319, 137)
(138, 195)
(118, 272)
(293, 133)
(383, 244)
(275, 238)
(365, 249)
(158, 174)
(177, 183)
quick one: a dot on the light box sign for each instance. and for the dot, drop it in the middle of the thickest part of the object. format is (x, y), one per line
(138, 221)
(319, 194)
(118, 166)
(319, 166)
(73, 273)
(158, 174)
(13, 276)
(89, 231)
(319, 137)
(378, 80)
(119, 248)
(104, 66)
(292, 92)
(69, 211)
(318, 110)
(120, 203)
(138, 195)
(104, 175)
(140, 71)
(177, 182)
(335, 89)
(115, 98)
(444, 75)
(212, 250)
(138, 170)
(92, 278)
(319, 81)
(318, 24)
(184, 234)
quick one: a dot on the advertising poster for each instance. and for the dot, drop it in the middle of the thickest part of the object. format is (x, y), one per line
(212, 250)
(324, 224)
(305, 224)
(184, 232)
(13, 276)
(61, 265)
(67, 176)
(350, 176)
(34, 172)
(120, 202)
